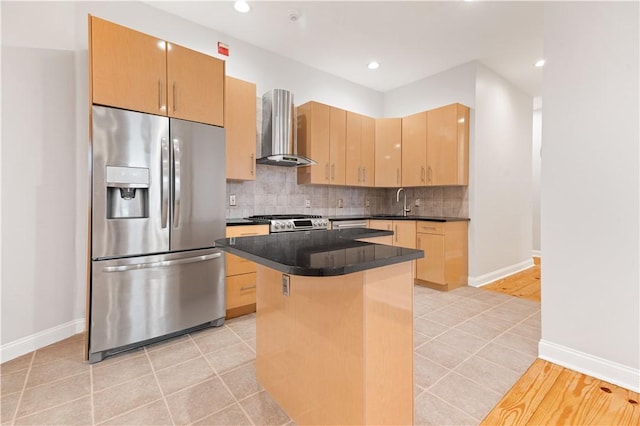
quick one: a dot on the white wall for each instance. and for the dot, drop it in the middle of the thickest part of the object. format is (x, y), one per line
(455, 85)
(536, 157)
(591, 190)
(45, 148)
(500, 180)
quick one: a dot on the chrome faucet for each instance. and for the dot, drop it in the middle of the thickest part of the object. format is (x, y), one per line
(405, 210)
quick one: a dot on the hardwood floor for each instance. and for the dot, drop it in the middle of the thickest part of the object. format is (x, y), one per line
(525, 284)
(548, 394)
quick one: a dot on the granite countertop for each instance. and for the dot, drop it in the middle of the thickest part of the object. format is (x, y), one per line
(393, 217)
(242, 221)
(319, 253)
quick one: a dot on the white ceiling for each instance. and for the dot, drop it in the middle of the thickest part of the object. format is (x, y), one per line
(411, 40)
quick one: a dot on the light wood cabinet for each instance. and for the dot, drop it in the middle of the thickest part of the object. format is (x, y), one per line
(360, 157)
(388, 152)
(404, 231)
(448, 145)
(240, 126)
(241, 274)
(195, 86)
(445, 262)
(338, 349)
(414, 149)
(337, 145)
(135, 71)
(313, 142)
(322, 137)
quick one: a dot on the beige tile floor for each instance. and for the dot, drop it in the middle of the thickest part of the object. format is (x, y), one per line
(471, 346)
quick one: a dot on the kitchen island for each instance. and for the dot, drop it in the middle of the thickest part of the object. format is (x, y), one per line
(334, 326)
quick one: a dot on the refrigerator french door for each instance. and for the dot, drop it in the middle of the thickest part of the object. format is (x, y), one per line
(157, 208)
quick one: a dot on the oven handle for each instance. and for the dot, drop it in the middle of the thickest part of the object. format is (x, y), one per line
(162, 263)
(349, 224)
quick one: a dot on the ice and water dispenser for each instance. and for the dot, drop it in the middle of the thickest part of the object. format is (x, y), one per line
(127, 192)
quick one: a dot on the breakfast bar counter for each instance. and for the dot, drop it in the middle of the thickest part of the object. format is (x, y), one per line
(334, 325)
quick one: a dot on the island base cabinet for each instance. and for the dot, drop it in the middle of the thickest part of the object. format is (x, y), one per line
(338, 350)
(445, 262)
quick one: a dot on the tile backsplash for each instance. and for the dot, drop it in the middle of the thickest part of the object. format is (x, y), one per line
(275, 191)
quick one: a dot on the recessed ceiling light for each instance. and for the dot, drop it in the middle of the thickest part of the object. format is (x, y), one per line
(242, 6)
(373, 65)
(540, 63)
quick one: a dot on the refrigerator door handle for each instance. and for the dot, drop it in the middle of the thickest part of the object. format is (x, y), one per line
(123, 268)
(165, 181)
(176, 182)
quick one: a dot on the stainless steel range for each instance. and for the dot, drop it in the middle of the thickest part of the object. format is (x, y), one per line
(292, 222)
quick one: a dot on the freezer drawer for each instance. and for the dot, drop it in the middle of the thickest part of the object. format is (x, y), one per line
(135, 300)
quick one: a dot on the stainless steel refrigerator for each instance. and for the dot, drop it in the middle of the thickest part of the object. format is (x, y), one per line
(158, 205)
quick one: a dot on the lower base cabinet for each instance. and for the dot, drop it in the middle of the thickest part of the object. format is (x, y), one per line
(445, 264)
(241, 274)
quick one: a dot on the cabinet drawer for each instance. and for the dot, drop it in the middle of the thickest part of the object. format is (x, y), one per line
(247, 230)
(430, 227)
(241, 290)
(237, 265)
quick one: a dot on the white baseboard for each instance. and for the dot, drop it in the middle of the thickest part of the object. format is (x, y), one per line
(41, 339)
(600, 368)
(500, 273)
(535, 253)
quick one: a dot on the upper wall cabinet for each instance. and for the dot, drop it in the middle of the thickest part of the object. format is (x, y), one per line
(321, 137)
(195, 85)
(337, 145)
(388, 149)
(135, 71)
(448, 145)
(240, 124)
(414, 150)
(313, 142)
(360, 157)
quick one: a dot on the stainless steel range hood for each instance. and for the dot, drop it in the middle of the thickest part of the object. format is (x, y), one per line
(278, 131)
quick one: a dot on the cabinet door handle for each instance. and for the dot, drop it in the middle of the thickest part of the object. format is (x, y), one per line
(396, 232)
(429, 173)
(160, 94)
(326, 172)
(175, 97)
(333, 172)
(252, 165)
(247, 288)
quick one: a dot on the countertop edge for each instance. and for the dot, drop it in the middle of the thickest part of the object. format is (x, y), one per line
(409, 255)
(416, 218)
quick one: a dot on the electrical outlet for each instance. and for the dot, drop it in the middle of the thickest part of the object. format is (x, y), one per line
(367, 203)
(340, 203)
(307, 204)
(417, 202)
(232, 200)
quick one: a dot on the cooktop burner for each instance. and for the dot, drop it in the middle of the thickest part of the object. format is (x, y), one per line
(292, 222)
